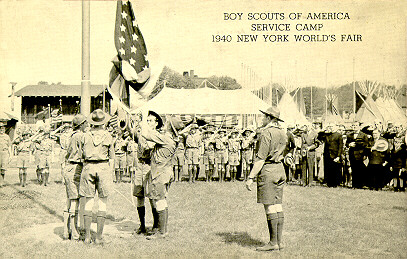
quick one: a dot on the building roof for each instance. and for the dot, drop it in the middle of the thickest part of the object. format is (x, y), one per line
(57, 90)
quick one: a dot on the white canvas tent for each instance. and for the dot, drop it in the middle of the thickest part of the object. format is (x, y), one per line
(289, 110)
(369, 111)
(332, 113)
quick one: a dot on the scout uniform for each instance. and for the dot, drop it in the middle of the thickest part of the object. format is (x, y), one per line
(178, 160)
(209, 155)
(221, 154)
(120, 146)
(131, 156)
(43, 149)
(5, 144)
(192, 153)
(271, 177)
(98, 149)
(72, 175)
(233, 154)
(247, 152)
(23, 156)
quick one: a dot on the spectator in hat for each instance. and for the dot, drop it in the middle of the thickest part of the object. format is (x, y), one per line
(96, 177)
(270, 174)
(5, 144)
(398, 163)
(333, 148)
(357, 141)
(310, 144)
(72, 175)
(378, 161)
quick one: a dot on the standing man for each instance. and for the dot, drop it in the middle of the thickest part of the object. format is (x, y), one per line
(310, 143)
(158, 180)
(72, 176)
(270, 174)
(332, 155)
(209, 154)
(178, 159)
(233, 154)
(5, 144)
(120, 148)
(98, 155)
(43, 145)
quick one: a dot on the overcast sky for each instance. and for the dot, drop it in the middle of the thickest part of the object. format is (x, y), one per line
(41, 41)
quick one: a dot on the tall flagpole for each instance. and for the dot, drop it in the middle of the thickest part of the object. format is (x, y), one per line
(85, 80)
(354, 90)
(271, 83)
(326, 90)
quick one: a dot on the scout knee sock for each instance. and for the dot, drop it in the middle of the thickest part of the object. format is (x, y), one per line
(101, 217)
(87, 218)
(20, 176)
(24, 176)
(66, 223)
(272, 222)
(121, 175)
(46, 174)
(162, 218)
(166, 220)
(142, 216)
(280, 223)
(155, 217)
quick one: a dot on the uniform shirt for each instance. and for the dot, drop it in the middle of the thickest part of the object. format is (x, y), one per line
(180, 144)
(64, 139)
(220, 143)
(74, 149)
(131, 146)
(192, 141)
(233, 145)
(44, 145)
(97, 145)
(247, 143)
(271, 144)
(162, 153)
(24, 146)
(119, 146)
(5, 142)
(209, 145)
(310, 139)
(144, 149)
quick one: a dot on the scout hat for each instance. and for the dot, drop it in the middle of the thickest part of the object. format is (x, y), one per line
(273, 112)
(78, 120)
(98, 117)
(158, 117)
(289, 160)
(381, 145)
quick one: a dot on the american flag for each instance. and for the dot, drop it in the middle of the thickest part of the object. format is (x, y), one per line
(131, 67)
(56, 116)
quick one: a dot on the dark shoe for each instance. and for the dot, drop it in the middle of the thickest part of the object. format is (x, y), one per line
(140, 231)
(268, 247)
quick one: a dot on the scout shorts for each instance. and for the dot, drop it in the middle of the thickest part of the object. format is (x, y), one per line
(3, 160)
(140, 180)
(96, 177)
(120, 161)
(23, 159)
(158, 187)
(209, 158)
(270, 183)
(72, 177)
(192, 156)
(233, 158)
(221, 157)
(178, 158)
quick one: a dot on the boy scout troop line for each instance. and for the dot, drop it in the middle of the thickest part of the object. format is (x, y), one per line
(154, 156)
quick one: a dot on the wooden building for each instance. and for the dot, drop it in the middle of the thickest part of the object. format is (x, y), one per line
(37, 98)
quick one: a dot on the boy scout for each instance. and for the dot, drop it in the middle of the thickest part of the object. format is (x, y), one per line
(221, 153)
(98, 155)
(72, 175)
(5, 144)
(270, 175)
(23, 156)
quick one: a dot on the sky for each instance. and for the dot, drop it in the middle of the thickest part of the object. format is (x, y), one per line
(41, 41)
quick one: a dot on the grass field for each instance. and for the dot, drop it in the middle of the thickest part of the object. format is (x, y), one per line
(211, 220)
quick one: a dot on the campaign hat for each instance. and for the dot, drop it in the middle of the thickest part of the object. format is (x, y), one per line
(78, 120)
(273, 112)
(158, 117)
(98, 117)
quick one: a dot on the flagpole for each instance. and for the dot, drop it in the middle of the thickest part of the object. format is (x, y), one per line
(326, 90)
(85, 81)
(354, 90)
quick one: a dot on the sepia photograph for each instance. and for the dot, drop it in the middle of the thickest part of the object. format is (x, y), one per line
(203, 129)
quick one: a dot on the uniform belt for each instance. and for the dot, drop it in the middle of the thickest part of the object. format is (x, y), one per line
(271, 162)
(96, 161)
(75, 162)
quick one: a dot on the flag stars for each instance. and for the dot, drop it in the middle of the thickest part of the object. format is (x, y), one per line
(145, 67)
(122, 51)
(124, 15)
(133, 49)
(145, 57)
(132, 61)
(135, 37)
(121, 39)
(135, 23)
(122, 27)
